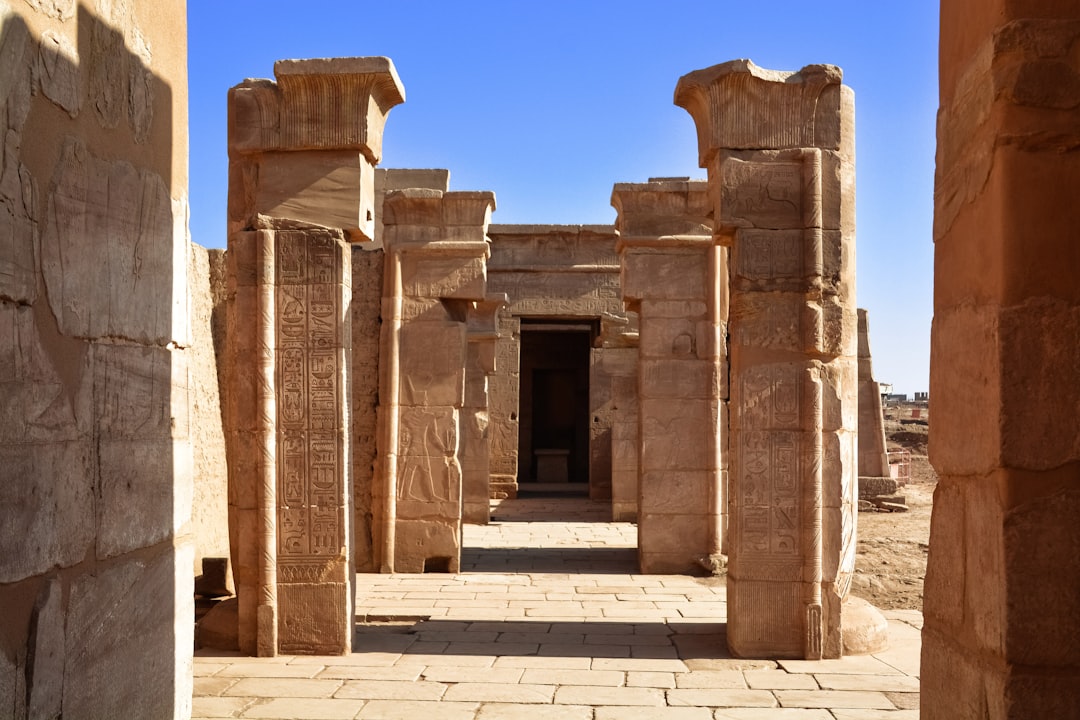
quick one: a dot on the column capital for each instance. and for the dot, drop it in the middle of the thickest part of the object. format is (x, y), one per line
(424, 216)
(316, 104)
(738, 105)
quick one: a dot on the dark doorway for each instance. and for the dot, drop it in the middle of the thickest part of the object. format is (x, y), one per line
(553, 440)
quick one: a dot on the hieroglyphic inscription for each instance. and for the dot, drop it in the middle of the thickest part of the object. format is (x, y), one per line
(310, 441)
(769, 254)
(770, 461)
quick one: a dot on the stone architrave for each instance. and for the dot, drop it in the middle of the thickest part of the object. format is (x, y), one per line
(779, 149)
(305, 147)
(480, 363)
(873, 452)
(302, 152)
(1002, 625)
(390, 179)
(290, 344)
(437, 249)
(671, 281)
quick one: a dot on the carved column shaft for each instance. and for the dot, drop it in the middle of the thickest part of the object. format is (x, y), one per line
(779, 148)
(436, 258)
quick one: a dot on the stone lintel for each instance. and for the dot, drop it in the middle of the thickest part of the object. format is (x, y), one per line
(510, 229)
(740, 105)
(316, 104)
(663, 207)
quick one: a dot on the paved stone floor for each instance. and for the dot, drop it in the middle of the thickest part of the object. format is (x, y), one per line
(549, 620)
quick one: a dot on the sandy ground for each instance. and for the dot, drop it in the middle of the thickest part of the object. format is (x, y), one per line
(891, 561)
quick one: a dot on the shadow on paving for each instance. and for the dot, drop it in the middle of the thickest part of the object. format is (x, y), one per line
(517, 638)
(592, 560)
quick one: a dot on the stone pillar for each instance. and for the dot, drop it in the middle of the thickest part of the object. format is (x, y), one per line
(289, 438)
(620, 366)
(301, 181)
(480, 362)
(366, 311)
(670, 270)
(873, 452)
(1002, 629)
(437, 249)
(779, 148)
(667, 282)
(504, 391)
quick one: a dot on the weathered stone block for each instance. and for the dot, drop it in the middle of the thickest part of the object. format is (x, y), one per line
(672, 435)
(127, 615)
(671, 275)
(93, 199)
(433, 362)
(47, 502)
(314, 618)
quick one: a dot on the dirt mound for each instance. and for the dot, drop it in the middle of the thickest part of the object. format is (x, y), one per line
(911, 440)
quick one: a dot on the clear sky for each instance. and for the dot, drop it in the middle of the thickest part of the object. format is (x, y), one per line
(550, 103)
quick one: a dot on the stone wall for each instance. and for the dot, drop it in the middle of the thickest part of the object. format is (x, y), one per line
(95, 460)
(210, 472)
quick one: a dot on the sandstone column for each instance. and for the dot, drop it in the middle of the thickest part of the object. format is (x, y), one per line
(671, 280)
(483, 334)
(368, 261)
(437, 249)
(779, 148)
(1002, 627)
(302, 154)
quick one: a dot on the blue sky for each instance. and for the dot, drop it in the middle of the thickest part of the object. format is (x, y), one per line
(549, 104)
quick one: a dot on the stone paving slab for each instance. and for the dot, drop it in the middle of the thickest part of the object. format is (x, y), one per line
(519, 635)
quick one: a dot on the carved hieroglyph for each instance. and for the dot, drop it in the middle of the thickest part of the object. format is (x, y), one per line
(779, 148)
(672, 282)
(436, 253)
(289, 437)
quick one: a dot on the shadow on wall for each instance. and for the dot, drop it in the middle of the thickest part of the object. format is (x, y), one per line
(94, 484)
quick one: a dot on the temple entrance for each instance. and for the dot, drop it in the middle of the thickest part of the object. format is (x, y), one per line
(553, 439)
